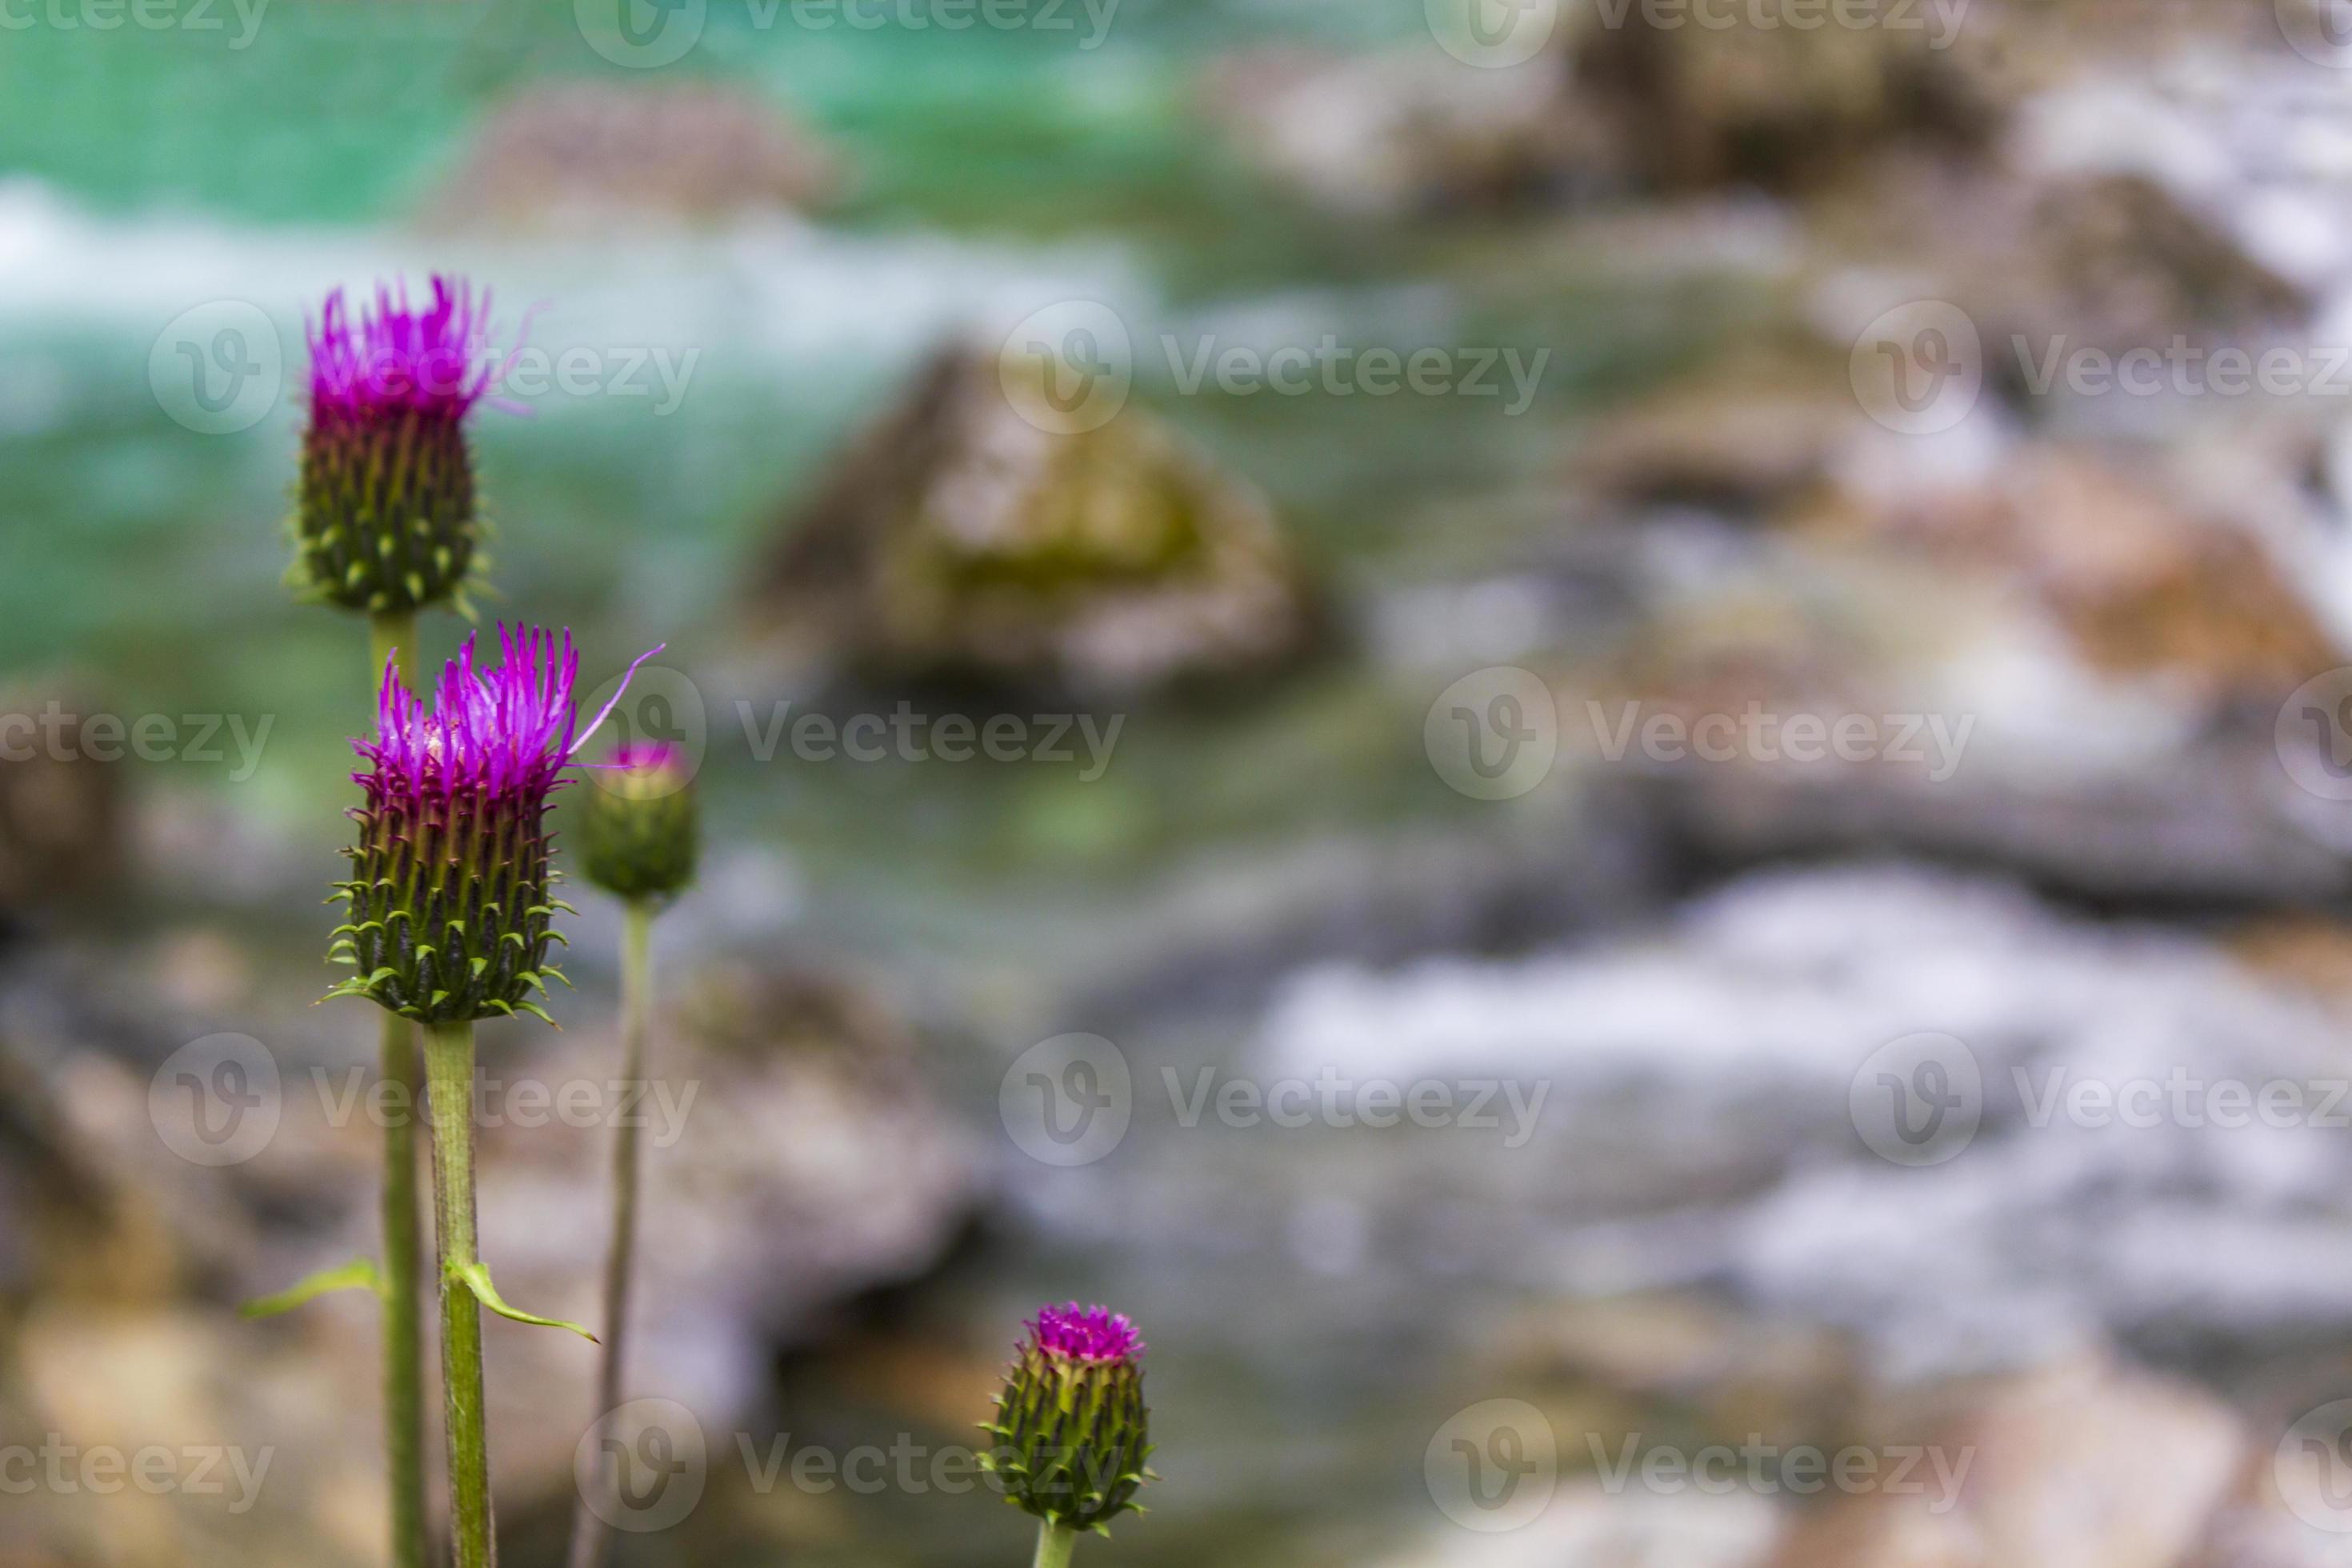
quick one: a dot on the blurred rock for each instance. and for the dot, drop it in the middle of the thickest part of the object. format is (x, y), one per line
(1611, 107)
(1395, 134)
(1748, 434)
(961, 540)
(2052, 265)
(2076, 1466)
(2309, 950)
(579, 156)
(61, 809)
(794, 1160)
(2145, 589)
(786, 1172)
(1703, 107)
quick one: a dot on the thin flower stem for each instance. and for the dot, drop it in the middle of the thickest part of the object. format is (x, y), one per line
(403, 1312)
(590, 1532)
(1055, 1544)
(450, 1069)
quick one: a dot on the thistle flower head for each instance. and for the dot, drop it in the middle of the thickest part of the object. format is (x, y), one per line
(450, 898)
(395, 360)
(638, 822)
(1089, 1333)
(386, 516)
(506, 733)
(1073, 1432)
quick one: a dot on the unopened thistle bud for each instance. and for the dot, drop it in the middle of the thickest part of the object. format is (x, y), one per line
(1073, 1435)
(386, 520)
(638, 829)
(451, 898)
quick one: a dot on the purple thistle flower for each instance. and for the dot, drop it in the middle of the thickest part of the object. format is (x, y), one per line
(451, 899)
(386, 517)
(640, 829)
(1072, 1433)
(505, 733)
(394, 359)
(1089, 1333)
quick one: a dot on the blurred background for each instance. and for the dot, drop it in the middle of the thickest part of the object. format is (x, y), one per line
(1605, 742)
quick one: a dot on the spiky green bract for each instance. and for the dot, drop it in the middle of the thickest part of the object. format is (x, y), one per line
(451, 898)
(386, 520)
(1073, 1433)
(639, 828)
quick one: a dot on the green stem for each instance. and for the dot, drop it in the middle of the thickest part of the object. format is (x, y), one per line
(450, 1069)
(403, 1307)
(590, 1533)
(386, 633)
(1055, 1544)
(402, 1272)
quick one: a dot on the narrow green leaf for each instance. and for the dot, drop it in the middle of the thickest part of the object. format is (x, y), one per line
(359, 1273)
(476, 1277)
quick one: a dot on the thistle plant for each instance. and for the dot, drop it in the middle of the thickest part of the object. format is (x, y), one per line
(1073, 1435)
(639, 840)
(385, 524)
(387, 520)
(451, 903)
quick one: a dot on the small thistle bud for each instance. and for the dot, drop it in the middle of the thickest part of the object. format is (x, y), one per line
(451, 898)
(1072, 1431)
(385, 519)
(638, 829)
